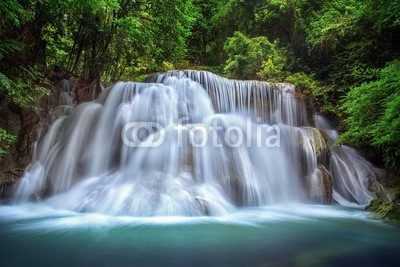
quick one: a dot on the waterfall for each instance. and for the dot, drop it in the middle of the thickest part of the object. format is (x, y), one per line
(191, 143)
(354, 177)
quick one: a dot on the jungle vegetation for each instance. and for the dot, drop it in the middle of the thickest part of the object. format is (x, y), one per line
(344, 53)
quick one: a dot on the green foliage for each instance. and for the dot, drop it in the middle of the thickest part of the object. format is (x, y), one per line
(373, 113)
(252, 58)
(171, 24)
(11, 10)
(331, 49)
(350, 35)
(335, 20)
(8, 46)
(203, 31)
(383, 14)
(322, 94)
(98, 38)
(25, 89)
(6, 140)
(384, 210)
(334, 49)
(257, 58)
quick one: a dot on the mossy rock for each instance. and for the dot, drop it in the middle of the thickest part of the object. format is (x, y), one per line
(385, 210)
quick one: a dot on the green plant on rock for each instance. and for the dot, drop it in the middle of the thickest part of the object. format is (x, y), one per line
(6, 140)
(384, 210)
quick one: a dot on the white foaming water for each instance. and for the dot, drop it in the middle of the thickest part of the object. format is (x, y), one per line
(226, 144)
(47, 218)
(353, 175)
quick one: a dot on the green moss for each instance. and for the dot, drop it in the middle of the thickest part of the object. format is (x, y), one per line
(384, 210)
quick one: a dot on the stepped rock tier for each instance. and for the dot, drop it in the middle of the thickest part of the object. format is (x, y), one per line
(191, 143)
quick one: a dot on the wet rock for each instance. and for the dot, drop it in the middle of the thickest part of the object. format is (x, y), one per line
(8, 178)
(379, 191)
(319, 185)
(386, 204)
(29, 125)
(386, 178)
(27, 135)
(319, 142)
(86, 90)
(385, 210)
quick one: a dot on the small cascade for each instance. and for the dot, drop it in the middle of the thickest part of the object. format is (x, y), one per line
(317, 179)
(274, 103)
(190, 143)
(58, 106)
(64, 104)
(354, 177)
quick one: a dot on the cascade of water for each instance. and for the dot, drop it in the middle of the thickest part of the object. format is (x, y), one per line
(185, 143)
(315, 151)
(353, 176)
(274, 103)
(64, 104)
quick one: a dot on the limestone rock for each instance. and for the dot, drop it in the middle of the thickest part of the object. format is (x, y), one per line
(86, 90)
(319, 142)
(319, 185)
(385, 210)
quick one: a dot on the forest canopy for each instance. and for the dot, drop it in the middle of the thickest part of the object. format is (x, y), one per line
(344, 53)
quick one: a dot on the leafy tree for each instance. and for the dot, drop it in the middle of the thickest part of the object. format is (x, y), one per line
(373, 113)
(204, 31)
(332, 49)
(252, 58)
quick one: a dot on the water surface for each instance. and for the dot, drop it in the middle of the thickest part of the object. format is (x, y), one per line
(290, 235)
